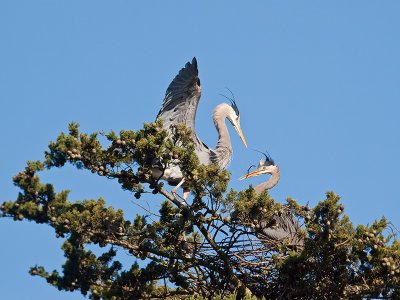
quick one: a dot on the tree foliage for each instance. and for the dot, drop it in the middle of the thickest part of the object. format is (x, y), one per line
(211, 246)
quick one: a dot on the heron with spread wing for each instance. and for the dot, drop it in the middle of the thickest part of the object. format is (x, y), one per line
(284, 227)
(179, 107)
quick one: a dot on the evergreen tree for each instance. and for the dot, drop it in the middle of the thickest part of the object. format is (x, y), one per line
(208, 247)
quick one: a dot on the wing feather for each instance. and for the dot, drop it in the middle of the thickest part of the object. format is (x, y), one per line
(180, 105)
(182, 98)
(285, 229)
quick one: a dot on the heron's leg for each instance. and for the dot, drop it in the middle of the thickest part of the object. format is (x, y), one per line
(185, 191)
(174, 190)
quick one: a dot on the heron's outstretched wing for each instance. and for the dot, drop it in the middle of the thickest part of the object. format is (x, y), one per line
(182, 97)
(180, 104)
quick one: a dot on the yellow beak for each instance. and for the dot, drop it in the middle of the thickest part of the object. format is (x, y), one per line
(254, 173)
(239, 131)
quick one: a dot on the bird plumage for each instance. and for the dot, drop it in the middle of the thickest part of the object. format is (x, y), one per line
(180, 106)
(283, 227)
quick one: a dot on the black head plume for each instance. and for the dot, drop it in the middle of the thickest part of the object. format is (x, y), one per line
(233, 102)
(268, 160)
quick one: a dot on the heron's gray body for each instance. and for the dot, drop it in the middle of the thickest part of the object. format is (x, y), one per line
(283, 228)
(179, 107)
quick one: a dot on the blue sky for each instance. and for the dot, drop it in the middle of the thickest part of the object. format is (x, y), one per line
(317, 84)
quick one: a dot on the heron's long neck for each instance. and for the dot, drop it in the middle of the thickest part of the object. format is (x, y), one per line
(224, 147)
(269, 184)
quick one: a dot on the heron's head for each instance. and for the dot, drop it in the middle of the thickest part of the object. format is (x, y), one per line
(265, 166)
(234, 116)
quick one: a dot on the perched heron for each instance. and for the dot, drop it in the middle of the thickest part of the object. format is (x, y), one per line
(284, 227)
(180, 106)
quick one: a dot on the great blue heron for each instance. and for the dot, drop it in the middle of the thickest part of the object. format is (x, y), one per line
(283, 228)
(180, 106)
